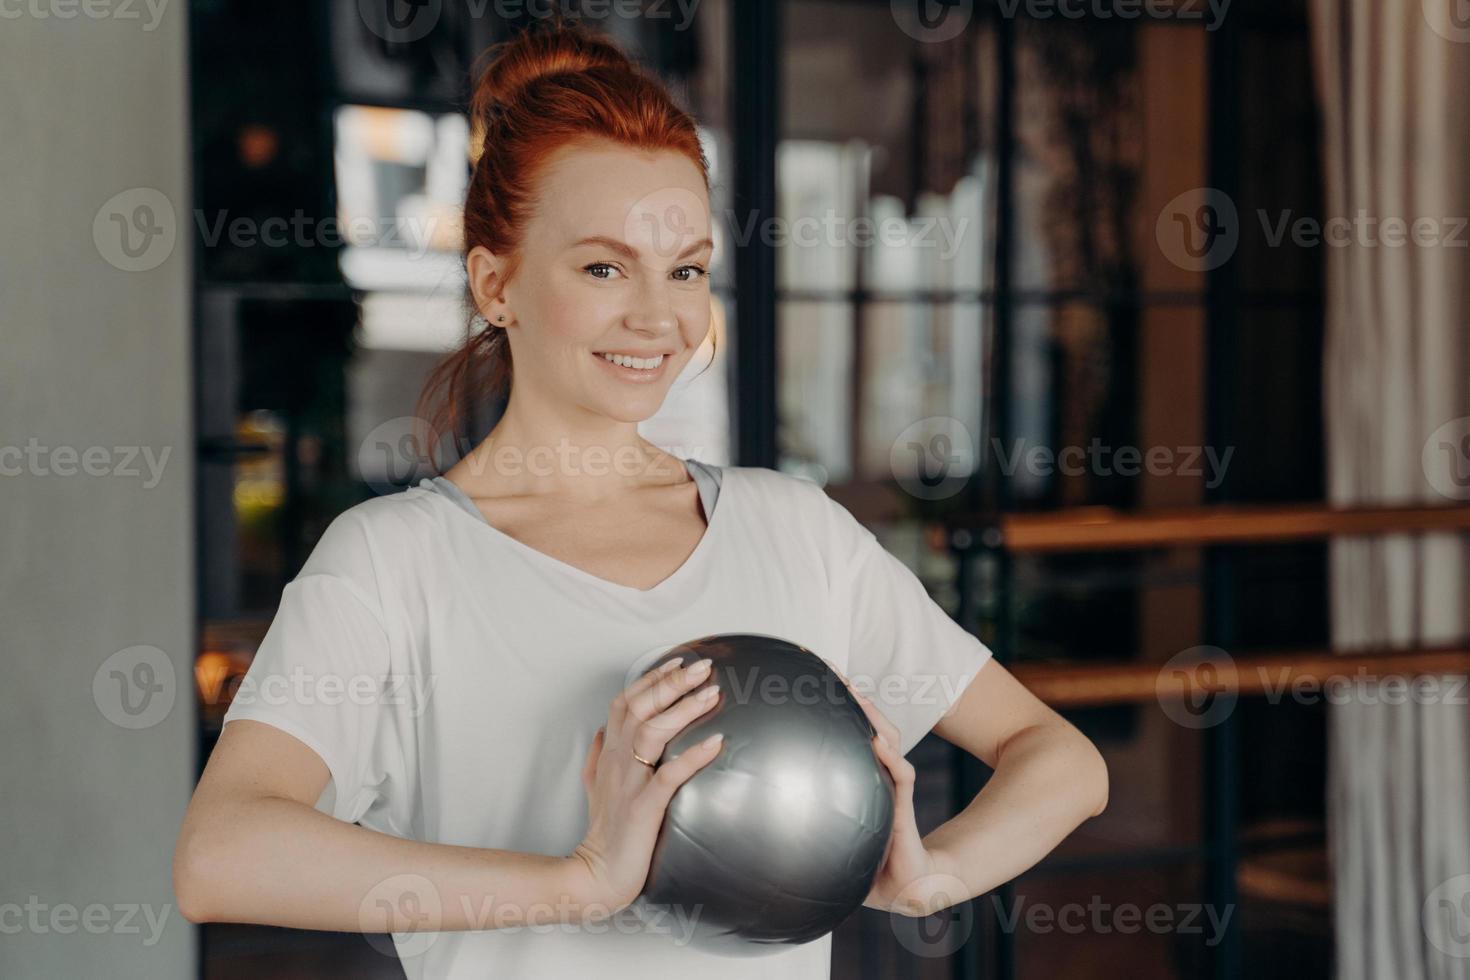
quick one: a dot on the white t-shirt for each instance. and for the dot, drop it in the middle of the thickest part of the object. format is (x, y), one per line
(451, 678)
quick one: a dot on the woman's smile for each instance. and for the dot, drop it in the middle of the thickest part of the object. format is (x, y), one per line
(632, 368)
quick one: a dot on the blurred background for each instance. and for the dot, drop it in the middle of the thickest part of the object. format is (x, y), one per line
(1137, 328)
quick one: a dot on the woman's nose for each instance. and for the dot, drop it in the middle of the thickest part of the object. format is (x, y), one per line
(654, 311)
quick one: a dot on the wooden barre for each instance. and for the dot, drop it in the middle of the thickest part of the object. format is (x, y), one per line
(1082, 685)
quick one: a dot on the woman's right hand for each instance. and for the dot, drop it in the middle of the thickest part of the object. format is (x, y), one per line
(626, 799)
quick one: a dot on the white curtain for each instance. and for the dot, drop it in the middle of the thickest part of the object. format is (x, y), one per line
(1394, 79)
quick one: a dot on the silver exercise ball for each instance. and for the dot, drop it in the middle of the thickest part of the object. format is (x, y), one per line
(778, 840)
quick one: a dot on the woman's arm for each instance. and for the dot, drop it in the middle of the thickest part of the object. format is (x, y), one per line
(252, 828)
(1048, 779)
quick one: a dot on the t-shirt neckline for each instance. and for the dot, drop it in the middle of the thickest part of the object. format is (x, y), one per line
(712, 524)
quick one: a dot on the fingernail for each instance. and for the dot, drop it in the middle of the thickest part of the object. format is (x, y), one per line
(709, 693)
(713, 739)
(672, 664)
(700, 667)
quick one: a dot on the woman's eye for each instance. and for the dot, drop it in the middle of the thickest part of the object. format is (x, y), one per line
(598, 265)
(695, 272)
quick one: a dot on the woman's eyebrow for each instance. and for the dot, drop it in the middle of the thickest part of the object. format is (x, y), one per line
(628, 251)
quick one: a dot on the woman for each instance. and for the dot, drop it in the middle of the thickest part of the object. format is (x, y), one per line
(449, 655)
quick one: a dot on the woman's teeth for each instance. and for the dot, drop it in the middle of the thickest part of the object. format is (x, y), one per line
(638, 363)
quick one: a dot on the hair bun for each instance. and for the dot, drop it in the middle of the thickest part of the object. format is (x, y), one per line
(534, 54)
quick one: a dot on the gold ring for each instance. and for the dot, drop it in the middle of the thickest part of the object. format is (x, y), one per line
(644, 761)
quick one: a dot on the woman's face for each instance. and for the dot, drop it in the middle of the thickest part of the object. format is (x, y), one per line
(614, 266)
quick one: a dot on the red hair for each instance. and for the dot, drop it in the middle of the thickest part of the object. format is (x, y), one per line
(542, 90)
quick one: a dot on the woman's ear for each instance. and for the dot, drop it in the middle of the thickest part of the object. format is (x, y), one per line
(485, 272)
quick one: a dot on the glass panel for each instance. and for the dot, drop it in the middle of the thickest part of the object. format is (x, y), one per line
(1285, 911)
(886, 198)
(1277, 434)
(1110, 131)
(401, 182)
(1280, 205)
(815, 398)
(920, 360)
(1074, 407)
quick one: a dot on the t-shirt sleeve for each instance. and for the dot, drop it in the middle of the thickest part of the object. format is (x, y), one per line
(905, 653)
(322, 670)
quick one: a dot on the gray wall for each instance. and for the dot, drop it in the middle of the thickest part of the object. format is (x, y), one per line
(97, 553)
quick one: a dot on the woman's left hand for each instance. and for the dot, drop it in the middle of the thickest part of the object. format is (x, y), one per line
(911, 878)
